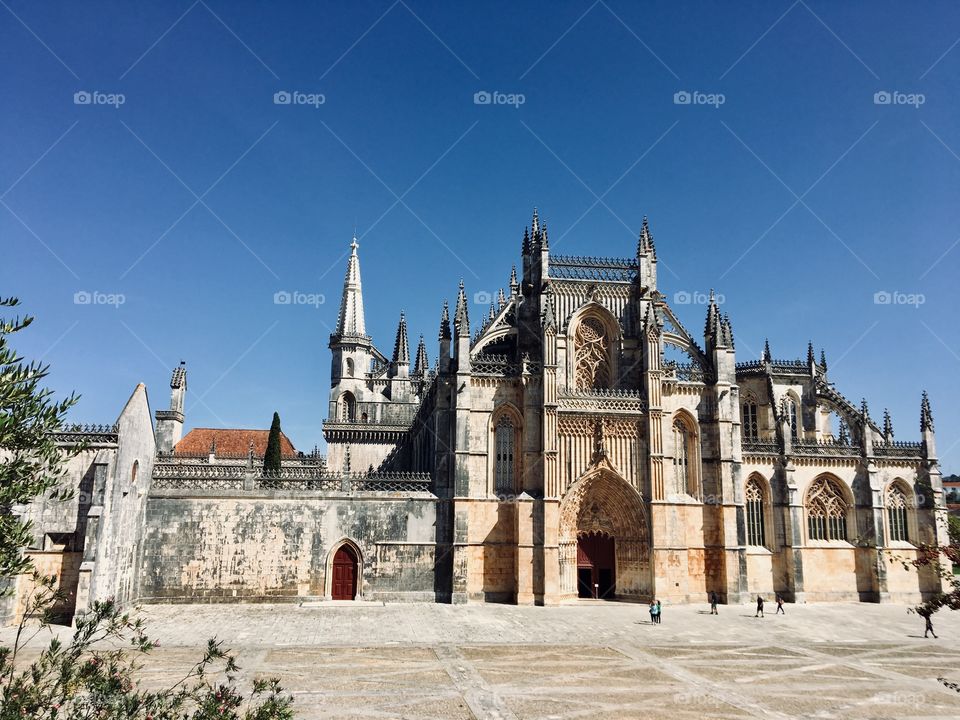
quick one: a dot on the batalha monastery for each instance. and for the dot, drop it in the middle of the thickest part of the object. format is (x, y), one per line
(577, 441)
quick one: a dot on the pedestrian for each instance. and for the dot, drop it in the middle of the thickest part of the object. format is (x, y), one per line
(659, 610)
(780, 605)
(928, 628)
(759, 606)
(713, 603)
(653, 613)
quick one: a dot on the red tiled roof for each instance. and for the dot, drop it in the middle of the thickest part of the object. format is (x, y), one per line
(230, 442)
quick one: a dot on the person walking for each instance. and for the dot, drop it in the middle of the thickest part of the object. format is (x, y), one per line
(928, 628)
(659, 610)
(713, 603)
(759, 606)
(653, 613)
(780, 605)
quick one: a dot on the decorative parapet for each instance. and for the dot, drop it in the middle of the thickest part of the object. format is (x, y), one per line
(825, 449)
(785, 367)
(183, 476)
(899, 449)
(760, 447)
(600, 401)
(683, 372)
(93, 435)
(567, 267)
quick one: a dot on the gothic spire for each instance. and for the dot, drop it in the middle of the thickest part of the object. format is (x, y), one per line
(401, 346)
(525, 247)
(645, 241)
(823, 359)
(514, 284)
(493, 312)
(350, 321)
(887, 426)
(727, 331)
(461, 319)
(766, 351)
(544, 243)
(421, 365)
(445, 322)
(864, 411)
(926, 415)
(711, 328)
(810, 356)
(501, 299)
(549, 321)
(535, 223)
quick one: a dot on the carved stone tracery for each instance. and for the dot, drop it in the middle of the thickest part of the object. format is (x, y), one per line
(592, 355)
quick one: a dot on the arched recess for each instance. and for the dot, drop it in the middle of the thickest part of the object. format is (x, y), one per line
(759, 511)
(601, 502)
(348, 407)
(686, 455)
(593, 348)
(352, 548)
(828, 504)
(899, 510)
(793, 414)
(505, 456)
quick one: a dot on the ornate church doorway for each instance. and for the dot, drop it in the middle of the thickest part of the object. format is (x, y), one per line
(596, 566)
(344, 586)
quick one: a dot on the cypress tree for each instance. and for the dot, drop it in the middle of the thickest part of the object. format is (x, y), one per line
(271, 458)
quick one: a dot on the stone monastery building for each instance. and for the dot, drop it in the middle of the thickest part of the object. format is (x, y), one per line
(577, 441)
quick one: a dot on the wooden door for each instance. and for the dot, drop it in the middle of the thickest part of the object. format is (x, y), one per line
(344, 586)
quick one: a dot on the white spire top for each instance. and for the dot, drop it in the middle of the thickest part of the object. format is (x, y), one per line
(351, 321)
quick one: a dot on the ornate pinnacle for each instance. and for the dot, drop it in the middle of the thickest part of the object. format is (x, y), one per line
(727, 327)
(549, 322)
(864, 411)
(766, 351)
(513, 280)
(421, 365)
(401, 346)
(887, 425)
(179, 378)
(712, 325)
(926, 415)
(810, 357)
(493, 312)
(445, 322)
(535, 223)
(645, 242)
(501, 299)
(461, 319)
(525, 248)
(544, 244)
(823, 359)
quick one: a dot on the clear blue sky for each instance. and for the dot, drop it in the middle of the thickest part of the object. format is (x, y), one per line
(104, 198)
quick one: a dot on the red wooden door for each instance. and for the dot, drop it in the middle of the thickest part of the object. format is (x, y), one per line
(344, 586)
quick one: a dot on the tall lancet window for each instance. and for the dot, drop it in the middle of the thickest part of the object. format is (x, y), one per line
(751, 428)
(756, 532)
(826, 511)
(793, 420)
(504, 438)
(682, 452)
(897, 514)
(592, 368)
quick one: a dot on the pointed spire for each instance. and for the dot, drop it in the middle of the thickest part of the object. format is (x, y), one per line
(493, 312)
(766, 351)
(401, 346)
(810, 356)
(544, 243)
(525, 247)
(645, 241)
(461, 319)
(926, 415)
(864, 410)
(514, 284)
(549, 321)
(823, 360)
(711, 328)
(535, 223)
(887, 426)
(445, 322)
(350, 320)
(727, 331)
(421, 365)
(501, 299)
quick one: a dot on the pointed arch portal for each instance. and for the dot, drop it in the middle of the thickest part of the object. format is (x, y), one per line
(604, 539)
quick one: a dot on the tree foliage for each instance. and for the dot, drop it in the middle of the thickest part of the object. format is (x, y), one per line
(273, 456)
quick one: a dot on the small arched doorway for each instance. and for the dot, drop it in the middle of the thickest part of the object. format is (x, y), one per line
(343, 584)
(596, 566)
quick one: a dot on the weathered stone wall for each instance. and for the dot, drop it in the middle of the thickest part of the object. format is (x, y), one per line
(220, 546)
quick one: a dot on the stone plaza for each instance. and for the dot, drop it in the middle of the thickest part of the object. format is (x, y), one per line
(590, 659)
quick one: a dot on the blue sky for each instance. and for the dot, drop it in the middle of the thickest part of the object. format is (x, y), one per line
(786, 183)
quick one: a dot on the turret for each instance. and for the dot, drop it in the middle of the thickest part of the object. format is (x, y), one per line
(170, 422)
(926, 428)
(646, 258)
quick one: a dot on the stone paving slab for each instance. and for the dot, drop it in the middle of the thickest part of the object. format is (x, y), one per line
(595, 660)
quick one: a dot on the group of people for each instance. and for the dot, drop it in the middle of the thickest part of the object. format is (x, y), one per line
(655, 612)
(715, 600)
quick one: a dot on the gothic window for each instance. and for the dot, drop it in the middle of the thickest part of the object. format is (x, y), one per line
(897, 514)
(504, 440)
(684, 458)
(134, 472)
(349, 367)
(826, 511)
(751, 429)
(348, 407)
(756, 532)
(592, 355)
(792, 420)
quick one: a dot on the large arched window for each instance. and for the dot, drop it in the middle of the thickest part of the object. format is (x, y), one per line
(897, 514)
(756, 530)
(504, 442)
(592, 369)
(792, 419)
(826, 511)
(748, 420)
(348, 407)
(685, 462)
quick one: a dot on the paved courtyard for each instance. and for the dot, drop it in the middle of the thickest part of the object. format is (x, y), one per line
(588, 660)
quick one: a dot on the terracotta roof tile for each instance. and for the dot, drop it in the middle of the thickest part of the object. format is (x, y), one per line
(230, 442)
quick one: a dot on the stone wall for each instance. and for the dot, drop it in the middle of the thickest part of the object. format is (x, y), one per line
(265, 545)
